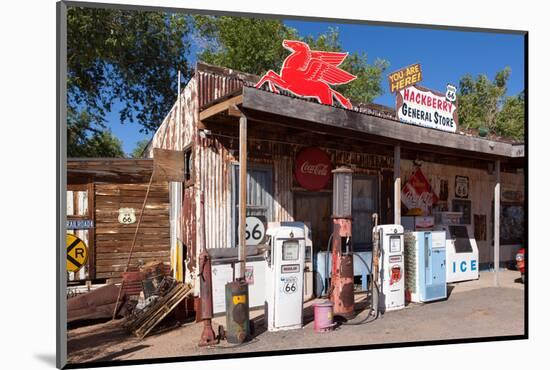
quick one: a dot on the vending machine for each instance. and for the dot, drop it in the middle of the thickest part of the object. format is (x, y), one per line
(285, 258)
(461, 247)
(392, 279)
(425, 259)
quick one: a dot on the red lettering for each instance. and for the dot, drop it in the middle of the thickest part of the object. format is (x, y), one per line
(439, 103)
(406, 95)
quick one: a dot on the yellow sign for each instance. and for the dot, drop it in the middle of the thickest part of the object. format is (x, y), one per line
(405, 77)
(239, 299)
(77, 253)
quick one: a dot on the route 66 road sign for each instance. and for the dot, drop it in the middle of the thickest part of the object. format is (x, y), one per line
(255, 230)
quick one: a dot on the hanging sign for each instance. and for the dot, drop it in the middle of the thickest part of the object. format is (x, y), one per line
(418, 193)
(423, 107)
(309, 73)
(312, 169)
(405, 77)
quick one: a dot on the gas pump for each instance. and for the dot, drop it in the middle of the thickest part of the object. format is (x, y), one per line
(392, 269)
(341, 284)
(285, 276)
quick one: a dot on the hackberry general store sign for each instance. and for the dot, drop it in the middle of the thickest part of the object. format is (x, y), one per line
(424, 107)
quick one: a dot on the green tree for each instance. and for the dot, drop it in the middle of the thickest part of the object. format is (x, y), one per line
(85, 141)
(483, 103)
(510, 119)
(368, 84)
(126, 56)
(249, 45)
(139, 149)
(255, 46)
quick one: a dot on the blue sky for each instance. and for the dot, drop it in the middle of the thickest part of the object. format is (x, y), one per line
(445, 56)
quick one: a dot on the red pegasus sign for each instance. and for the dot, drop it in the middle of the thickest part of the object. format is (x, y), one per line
(308, 73)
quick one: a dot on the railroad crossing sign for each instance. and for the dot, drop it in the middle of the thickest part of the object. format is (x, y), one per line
(77, 253)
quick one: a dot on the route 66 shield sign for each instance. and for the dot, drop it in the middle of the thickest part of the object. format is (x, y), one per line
(126, 216)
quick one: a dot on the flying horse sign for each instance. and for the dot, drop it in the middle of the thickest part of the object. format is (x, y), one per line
(308, 73)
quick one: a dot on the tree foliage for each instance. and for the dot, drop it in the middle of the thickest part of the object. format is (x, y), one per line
(85, 141)
(139, 149)
(483, 103)
(127, 56)
(255, 46)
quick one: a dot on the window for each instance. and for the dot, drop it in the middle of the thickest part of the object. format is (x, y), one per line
(188, 165)
(364, 204)
(259, 194)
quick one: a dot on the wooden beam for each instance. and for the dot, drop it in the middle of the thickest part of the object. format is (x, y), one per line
(220, 107)
(397, 185)
(497, 223)
(242, 196)
(329, 116)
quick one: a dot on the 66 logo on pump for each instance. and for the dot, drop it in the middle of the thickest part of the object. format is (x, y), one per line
(289, 285)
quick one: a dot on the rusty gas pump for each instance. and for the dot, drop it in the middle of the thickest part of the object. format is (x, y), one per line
(341, 286)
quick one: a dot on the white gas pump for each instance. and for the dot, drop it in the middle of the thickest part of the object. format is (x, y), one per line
(392, 269)
(285, 276)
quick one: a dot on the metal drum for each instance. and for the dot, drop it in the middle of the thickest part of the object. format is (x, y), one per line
(237, 311)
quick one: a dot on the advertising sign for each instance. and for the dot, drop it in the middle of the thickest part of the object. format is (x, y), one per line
(312, 169)
(405, 77)
(418, 193)
(309, 73)
(423, 107)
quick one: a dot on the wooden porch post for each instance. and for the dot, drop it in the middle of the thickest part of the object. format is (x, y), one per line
(497, 223)
(397, 185)
(242, 195)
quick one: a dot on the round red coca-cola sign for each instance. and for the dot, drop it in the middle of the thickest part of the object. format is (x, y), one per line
(312, 169)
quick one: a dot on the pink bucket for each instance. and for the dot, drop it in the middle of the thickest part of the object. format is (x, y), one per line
(323, 314)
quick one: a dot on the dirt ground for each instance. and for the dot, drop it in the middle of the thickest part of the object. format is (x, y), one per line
(473, 309)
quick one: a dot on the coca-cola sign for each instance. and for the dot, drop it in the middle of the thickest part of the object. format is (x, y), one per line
(312, 169)
(418, 193)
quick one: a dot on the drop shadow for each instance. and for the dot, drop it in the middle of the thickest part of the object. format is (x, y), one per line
(46, 358)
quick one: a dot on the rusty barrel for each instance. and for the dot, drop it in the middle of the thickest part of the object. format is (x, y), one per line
(237, 312)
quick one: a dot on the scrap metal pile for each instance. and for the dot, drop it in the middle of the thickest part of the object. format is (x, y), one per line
(147, 312)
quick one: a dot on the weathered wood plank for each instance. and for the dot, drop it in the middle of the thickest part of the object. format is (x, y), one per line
(220, 107)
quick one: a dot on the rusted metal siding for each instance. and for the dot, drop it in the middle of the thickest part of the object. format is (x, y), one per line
(216, 180)
(175, 133)
(216, 82)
